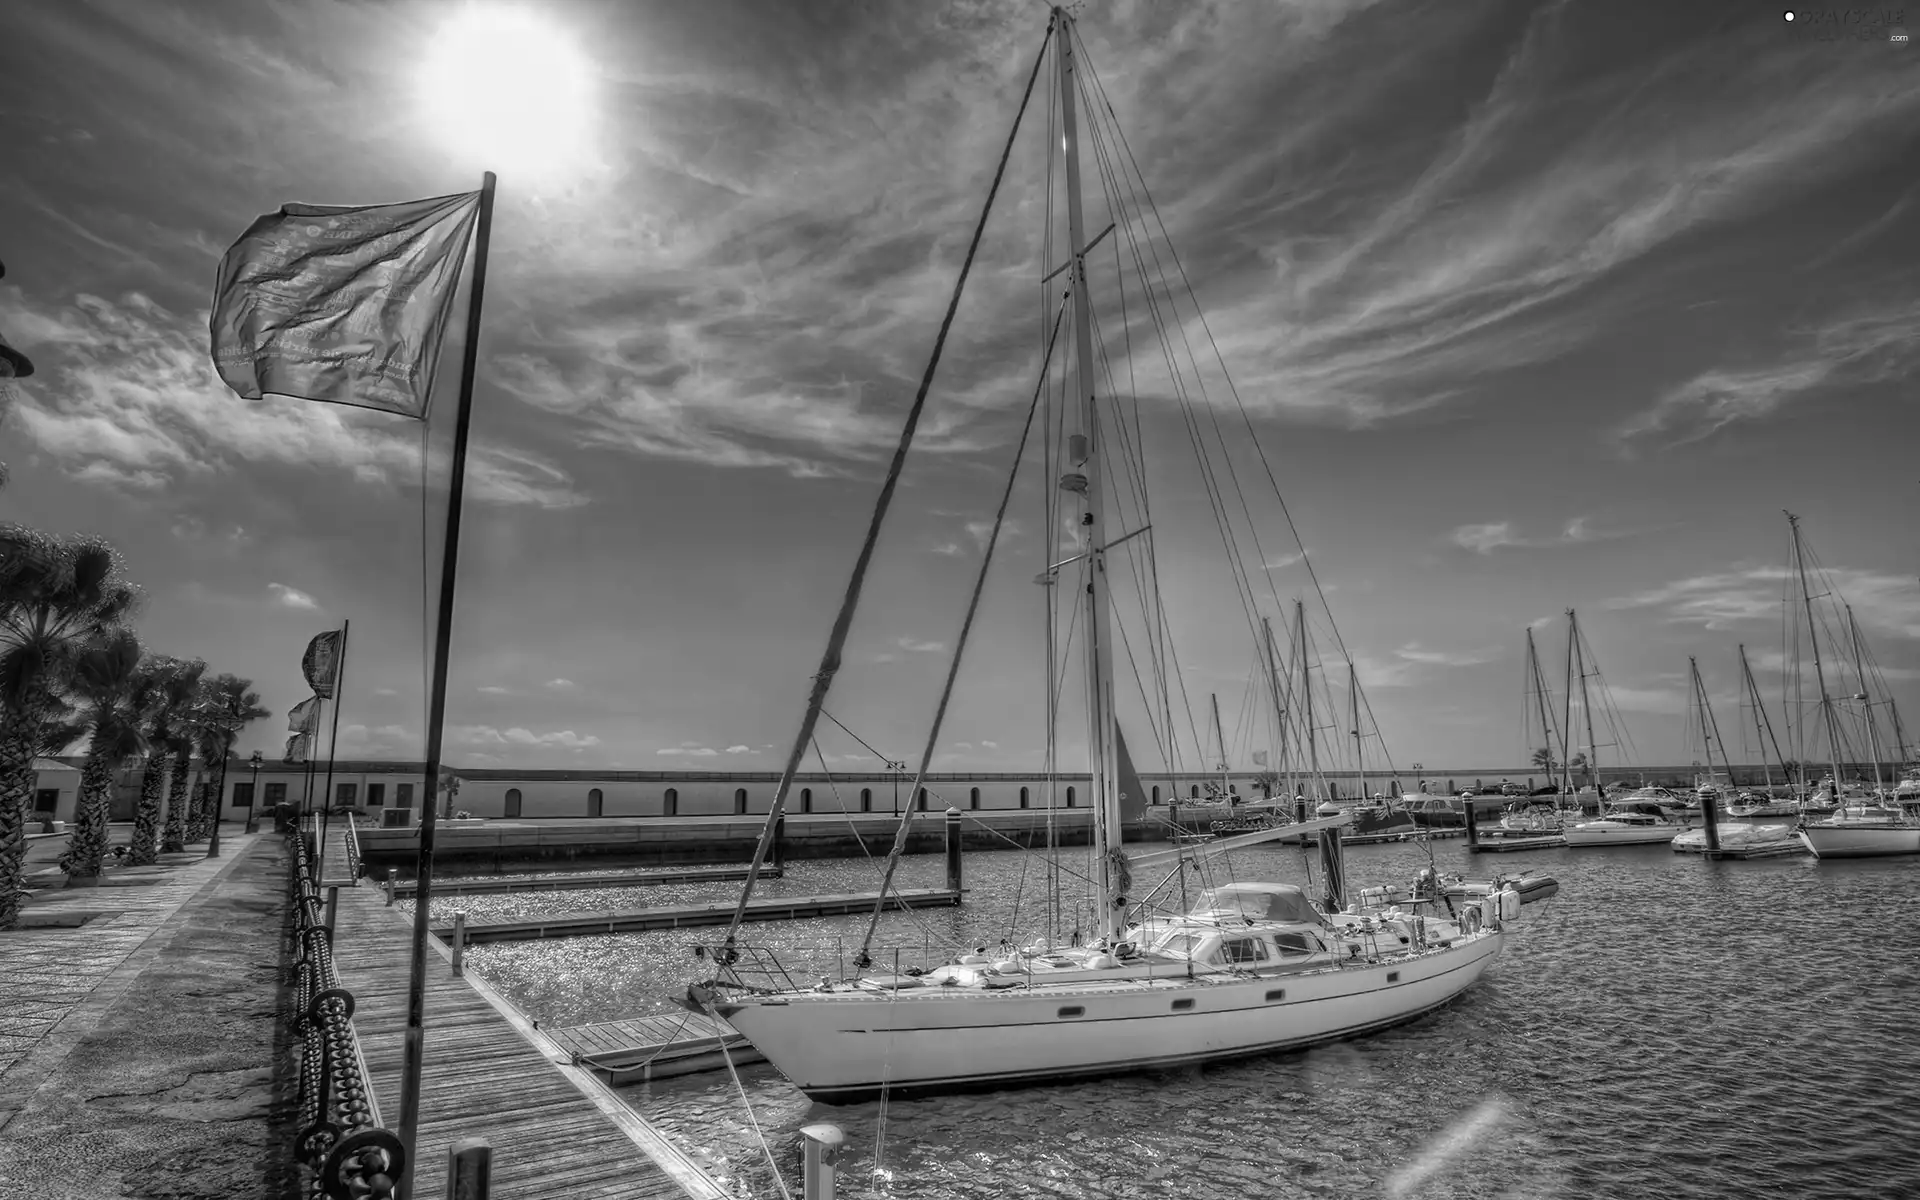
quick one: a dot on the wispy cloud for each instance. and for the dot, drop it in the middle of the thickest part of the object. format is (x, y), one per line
(688, 750)
(916, 646)
(1501, 535)
(487, 735)
(1413, 652)
(291, 597)
(1749, 595)
(559, 685)
(493, 689)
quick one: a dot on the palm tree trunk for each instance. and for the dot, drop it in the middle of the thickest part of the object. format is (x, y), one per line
(20, 733)
(197, 811)
(89, 843)
(175, 838)
(146, 819)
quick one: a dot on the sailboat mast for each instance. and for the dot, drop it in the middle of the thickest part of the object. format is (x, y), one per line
(1083, 478)
(1866, 705)
(1819, 672)
(1763, 724)
(1540, 695)
(1359, 759)
(1220, 739)
(1279, 708)
(1899, 733)
(1306, 688)
(1566, 718)
(1586, 709)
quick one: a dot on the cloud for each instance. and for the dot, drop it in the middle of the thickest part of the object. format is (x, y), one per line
(559, 685)
(1440, 658)
(1386, 672)
(1499, 535)
(493, 689)
(1747, 595)
(1666, 701)
(1285, 560)
(740, 750)
(915, 646)
(292, 597)
(385, 691)
(384, 741)
(690, 751)
(990, 745)
(487, 735)
(126, 395)
(1868, 346)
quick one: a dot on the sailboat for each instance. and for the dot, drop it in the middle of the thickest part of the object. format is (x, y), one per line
(1768, 803)
(1624, 822)
(1248, 969)
(1873, 828)
(1731, 840)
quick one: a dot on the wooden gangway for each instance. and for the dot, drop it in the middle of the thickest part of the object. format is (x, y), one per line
(557, 1132)
(676, 916)
(404, 889)
(638, 1049)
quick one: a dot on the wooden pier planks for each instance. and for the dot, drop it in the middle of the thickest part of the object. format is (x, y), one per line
(635, 1049)
(483, 1077)
(678, 915)
(405, 888)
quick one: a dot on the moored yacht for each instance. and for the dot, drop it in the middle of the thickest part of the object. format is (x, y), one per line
(1637, 823)
(1863, 831)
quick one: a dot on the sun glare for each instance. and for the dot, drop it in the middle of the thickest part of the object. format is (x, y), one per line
(509, 90)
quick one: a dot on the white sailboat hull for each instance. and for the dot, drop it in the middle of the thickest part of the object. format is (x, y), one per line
(1601, 833)
(846, 1047)
(1857, 841)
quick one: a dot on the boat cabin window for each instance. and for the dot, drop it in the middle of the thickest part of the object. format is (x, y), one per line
(1181, 944)
(1296, 945)
(1241, 950)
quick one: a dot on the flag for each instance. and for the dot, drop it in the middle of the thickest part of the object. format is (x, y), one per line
(341, 305)
(297, 748)
(321, 663)
(305, 716)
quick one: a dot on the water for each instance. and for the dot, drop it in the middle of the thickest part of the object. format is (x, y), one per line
(1664, 1027)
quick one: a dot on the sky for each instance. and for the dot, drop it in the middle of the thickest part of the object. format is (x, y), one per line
(1526, 307)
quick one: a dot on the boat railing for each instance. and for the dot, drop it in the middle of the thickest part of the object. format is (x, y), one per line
(341, 1139)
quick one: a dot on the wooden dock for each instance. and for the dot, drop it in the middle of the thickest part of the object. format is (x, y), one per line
(677, 916)
(404, 889)
(1506, 845)
(638, 1049)
(556, 1131)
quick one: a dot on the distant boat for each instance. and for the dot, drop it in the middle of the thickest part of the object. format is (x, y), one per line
(1743, 841)
(1625, 824)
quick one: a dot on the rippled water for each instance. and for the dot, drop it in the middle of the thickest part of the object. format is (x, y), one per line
(1664, 1027)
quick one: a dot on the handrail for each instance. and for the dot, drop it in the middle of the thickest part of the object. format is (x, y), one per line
(341, 1139)
(352, 841)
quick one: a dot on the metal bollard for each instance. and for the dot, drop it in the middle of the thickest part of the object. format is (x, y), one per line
(470, 1169)
(459, 940)
(823, 1146)
(393, 873)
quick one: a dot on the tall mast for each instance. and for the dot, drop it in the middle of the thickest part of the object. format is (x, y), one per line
(1566, 718)
(1306, 687)
(1819, 672)
(1586, 709)
(1220, 737)
(1899, 733)
(1540, 694)
(1279, 708)
(1763, 724)
(1359, 759)
(1866, 701)
(1083, 478)
(1709, 728)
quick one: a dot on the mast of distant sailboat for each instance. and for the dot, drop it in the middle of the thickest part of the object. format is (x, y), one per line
(1762, 724)
(1819, 671)
(1866, 702)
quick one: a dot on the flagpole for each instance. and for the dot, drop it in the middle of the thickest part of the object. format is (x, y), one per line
(306, 794)
(333, 742)
(415, 1049)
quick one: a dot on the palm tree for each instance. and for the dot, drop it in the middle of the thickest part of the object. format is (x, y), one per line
(159, 693)
(1543, 758)
(103, 678)
(231, 705)
(184, 694)
(56, 596)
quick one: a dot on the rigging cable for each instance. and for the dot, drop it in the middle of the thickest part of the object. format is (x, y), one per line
(843, 622)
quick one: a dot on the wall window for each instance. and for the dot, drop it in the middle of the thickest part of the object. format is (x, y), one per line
(595, 802)
(806, 800)
(739, 801)
(670, 806)
(242, 796)
(923, 799)
(276, 794)
(1069, 797)
(1196, 792)
(376, 794)
(1156, 793)
(973, 798)
(46, 800)
(1023, 797)
(866, 799)
(345, 793)
(513, 802)
(403, 795)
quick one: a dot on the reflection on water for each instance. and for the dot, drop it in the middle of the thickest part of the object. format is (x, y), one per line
(1665, 1027)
